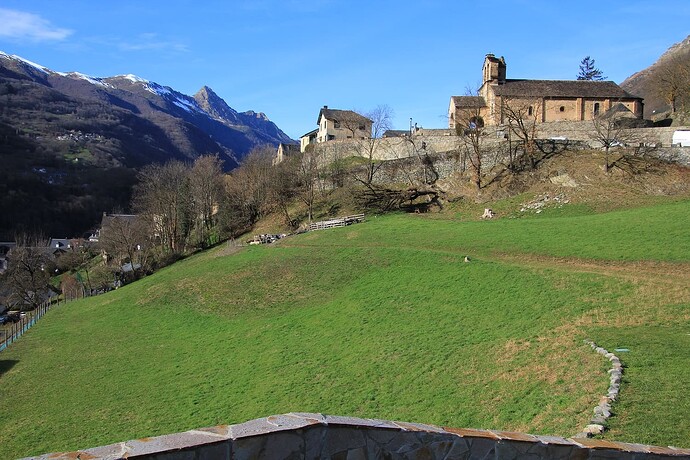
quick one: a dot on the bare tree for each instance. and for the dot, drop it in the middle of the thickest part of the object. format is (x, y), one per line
(285, 185)
(381, 121)
(78, 260)
(308, 177)
(415, 160)
(522, 116)
(71, 287)
(672, 82)
(163, 196)
(126, 239)
(103, 277)
(28, 272)
(611, 131)
(469, 127)
(206, 186)
(250, 186)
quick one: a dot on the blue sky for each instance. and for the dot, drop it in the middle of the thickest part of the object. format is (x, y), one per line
(288, 58)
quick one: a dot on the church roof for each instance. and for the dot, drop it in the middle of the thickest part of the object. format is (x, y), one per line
(562, 88)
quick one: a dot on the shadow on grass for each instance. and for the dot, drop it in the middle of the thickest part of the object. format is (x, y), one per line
(6, 365)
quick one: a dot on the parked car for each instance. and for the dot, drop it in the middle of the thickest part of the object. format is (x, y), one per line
(11, 317)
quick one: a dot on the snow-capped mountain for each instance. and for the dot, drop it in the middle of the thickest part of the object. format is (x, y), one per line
(185, 120)
(71, 144)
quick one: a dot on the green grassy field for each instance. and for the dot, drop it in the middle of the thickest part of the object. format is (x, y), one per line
(382, 320)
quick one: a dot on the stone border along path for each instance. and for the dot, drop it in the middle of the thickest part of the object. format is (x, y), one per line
(603, 411)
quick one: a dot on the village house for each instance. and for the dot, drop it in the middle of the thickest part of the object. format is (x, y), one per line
(58, 246)
(306, 139)
(542, 100)
(337, 124)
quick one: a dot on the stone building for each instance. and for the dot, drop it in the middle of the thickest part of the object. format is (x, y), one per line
(284, 151)
(540, 100)
(336, 125)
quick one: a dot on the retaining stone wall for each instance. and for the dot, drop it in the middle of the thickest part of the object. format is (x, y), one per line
(438, 141)
(301, 435)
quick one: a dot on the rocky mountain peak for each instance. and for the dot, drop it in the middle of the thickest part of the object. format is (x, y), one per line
(214, 105)
(258, 115)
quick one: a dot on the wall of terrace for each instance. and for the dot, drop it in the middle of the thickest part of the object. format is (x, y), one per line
(435, 141)
(300, 435)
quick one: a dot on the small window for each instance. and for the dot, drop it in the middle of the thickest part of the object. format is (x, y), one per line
(336, 124)
(529, 111)
(596, 108)
(331, 137)
(361, 127)
(562, 109)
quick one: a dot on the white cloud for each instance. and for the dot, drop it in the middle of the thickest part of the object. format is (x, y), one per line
(20, 25)
(151, 42)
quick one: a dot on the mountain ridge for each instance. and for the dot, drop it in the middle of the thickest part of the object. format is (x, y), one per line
(71, 144)
(644, 83)
(144, 97)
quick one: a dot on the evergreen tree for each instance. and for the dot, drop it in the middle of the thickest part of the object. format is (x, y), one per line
(588, 71)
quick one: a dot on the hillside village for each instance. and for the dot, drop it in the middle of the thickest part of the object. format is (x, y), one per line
(513, 149)
(505, 108)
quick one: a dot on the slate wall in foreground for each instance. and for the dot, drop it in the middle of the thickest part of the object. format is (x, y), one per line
(300, 435)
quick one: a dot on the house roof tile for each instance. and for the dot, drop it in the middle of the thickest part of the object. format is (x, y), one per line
(468, 102)
(341, 115)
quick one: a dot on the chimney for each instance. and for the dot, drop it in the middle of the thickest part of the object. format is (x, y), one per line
(325, 106)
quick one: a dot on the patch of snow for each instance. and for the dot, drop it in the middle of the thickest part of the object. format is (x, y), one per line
(182, 106)
(133, 78)
(187, 105)
(81, 76)
(150, 86)
(26, 61)
(155, 88)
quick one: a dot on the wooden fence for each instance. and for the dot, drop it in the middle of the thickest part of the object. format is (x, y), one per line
(12, 331)
(339, 222)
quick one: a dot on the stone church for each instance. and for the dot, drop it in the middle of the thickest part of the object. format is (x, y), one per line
(540, 100)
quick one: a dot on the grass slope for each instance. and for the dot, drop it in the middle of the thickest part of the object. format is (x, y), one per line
(382, 319)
